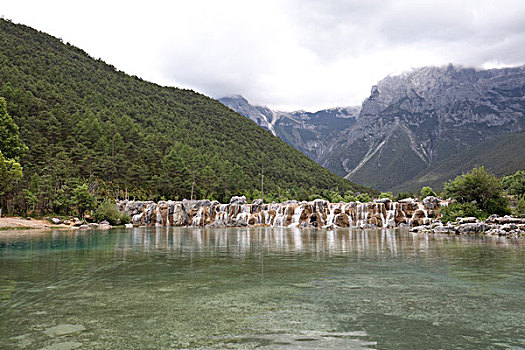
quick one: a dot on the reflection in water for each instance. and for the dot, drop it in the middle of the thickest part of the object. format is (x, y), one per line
(171, 287)
(384, 242)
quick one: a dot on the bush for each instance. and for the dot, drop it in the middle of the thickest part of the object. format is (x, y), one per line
(386, 195)
(481, 188)
(519, 210)
(363, 198)
(514, 184)
(108, 211)
(427, 191)
(456, 210)
(404, 195)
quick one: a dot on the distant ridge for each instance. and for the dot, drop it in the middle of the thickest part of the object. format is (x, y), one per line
(409, 124)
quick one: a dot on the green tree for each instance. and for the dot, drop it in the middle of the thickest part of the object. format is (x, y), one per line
(83, 199)
(514, 184)
(10, 144)
(386, 195)
(480, 188)
(10, 174)
(427, 191)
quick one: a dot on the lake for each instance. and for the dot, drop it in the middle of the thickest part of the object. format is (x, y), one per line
(168, 287)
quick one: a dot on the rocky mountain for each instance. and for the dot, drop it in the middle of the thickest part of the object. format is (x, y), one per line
(501, 156)
(412, 121)
(409, 123)
(310, 132)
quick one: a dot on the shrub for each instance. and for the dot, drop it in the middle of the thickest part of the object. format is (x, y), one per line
(386, 195)
(107, 210)
(514, 184)
(456, 210)
(481, 188)
(363, 198)
(519, 210)
(427, 191)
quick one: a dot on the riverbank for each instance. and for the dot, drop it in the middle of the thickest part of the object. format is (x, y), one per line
(18, 223)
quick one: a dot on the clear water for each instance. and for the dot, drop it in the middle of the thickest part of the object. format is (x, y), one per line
(161, 288)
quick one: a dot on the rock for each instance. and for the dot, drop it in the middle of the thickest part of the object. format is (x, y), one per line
(137, 218)
(104, 222)
(467, 220)
(257, 202)
(407, 200)
(128, 225)
(422, 228)
(83, 227)
(179, 217)
(472, 228)
(320, 204)
(68, 345)
(509, 227)
(102, 226)
(510, 220)
(448, 229)
(77, 222)
(93, 225)
(493, 219)
(383, 200)
(238, 200)
(195, 204)
(56, 221)
(431, 202)
(64, 329)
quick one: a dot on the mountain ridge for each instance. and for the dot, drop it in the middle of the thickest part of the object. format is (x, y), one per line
(417, 119)
(85, 121)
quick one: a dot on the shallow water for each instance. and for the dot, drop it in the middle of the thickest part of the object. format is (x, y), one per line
(152, 288)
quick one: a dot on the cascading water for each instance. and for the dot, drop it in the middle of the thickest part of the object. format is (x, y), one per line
(305, 214)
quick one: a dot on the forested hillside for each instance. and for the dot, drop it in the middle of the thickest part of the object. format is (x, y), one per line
(84, 121)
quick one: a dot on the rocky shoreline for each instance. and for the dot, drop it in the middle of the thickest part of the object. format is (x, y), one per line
(422, 216)
(494, 226)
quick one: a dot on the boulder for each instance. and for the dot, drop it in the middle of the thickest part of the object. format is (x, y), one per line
(77, 222)
(83, 227)
(448, 229)
(320, 204)
(238, 200)
(383, 200)
(93, 225)
(56, 221)
(467, 220)
(509, 227)
(431, 202)
(102, 226)
(179, 217)
(257, 202)
(128, 225)
(472, 228)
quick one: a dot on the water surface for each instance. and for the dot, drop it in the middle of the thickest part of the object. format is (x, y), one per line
(152, 288)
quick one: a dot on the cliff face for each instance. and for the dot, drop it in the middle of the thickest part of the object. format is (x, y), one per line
(310, 132)
(412, 121)
(407, 124)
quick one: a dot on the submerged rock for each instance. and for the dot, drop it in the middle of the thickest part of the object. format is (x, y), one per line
(64, 329)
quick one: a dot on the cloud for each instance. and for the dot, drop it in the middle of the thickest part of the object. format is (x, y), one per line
(293, 54)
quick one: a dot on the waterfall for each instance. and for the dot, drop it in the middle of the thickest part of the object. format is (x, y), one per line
(320, 213)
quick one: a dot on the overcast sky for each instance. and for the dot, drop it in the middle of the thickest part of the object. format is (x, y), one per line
(287, 54)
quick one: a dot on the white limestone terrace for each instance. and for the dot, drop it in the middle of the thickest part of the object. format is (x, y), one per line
(319, 213)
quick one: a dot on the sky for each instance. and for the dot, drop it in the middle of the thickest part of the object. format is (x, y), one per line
(285, 54)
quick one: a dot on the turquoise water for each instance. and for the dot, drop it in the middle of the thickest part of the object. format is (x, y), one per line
(161, 288)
